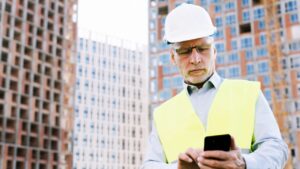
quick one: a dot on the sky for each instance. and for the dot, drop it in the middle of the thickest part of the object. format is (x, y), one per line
(124, 19)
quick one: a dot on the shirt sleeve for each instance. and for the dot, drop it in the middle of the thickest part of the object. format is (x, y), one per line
(155, 157)
(270, 151)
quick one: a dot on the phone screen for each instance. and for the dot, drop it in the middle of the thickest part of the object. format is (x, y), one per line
(217, 142)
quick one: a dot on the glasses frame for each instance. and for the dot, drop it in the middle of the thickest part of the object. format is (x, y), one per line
(186, 51)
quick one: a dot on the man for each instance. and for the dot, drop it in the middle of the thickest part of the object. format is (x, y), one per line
(210, 105)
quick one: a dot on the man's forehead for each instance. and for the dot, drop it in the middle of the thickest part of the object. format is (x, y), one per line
(199, 41)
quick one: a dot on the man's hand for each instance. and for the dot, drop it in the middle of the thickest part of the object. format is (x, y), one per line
(188, 159)
(222, 159)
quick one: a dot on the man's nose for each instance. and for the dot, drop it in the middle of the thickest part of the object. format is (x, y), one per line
(195, 57)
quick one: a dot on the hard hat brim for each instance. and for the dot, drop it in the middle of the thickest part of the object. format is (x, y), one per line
(186, 37)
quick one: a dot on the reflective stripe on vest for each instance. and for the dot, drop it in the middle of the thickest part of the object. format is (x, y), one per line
(232, 112)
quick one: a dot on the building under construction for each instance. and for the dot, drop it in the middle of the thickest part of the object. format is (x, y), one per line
(36, 83)
(111, 103)
(255, 40)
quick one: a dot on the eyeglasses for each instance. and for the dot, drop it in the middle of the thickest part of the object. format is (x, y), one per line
(187, 51)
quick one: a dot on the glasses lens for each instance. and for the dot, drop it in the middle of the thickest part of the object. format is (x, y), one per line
(202, 48)
(187, 51)
(184, 51)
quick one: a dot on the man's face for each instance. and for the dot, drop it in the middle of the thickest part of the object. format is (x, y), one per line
(195, 59)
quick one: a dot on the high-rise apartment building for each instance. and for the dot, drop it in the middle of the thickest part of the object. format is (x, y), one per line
(251, 36)
(36, 80)
(111, 103)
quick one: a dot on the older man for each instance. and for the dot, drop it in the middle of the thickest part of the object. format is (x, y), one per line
(210, 105)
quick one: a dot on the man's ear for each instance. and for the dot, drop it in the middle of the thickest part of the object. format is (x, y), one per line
(215, 52)
(172, 56)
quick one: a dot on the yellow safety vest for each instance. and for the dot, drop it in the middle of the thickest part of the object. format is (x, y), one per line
(232, 112)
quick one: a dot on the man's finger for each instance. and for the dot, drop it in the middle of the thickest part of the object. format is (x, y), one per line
(216, 154)
(211, 163)
(192, 153)
(185, 157)
(202, 166)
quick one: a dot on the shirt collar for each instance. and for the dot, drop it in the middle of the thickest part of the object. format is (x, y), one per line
(213, 82)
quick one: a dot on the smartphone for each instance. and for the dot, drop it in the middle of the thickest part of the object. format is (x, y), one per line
(217, 142)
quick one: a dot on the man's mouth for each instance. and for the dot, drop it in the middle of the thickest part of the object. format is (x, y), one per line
(197, 72)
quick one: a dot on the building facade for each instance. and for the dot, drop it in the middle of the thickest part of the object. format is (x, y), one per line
(250, 44)
(36, 82)
(111, 103)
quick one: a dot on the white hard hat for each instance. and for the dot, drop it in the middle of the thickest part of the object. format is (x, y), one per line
(187, 22)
